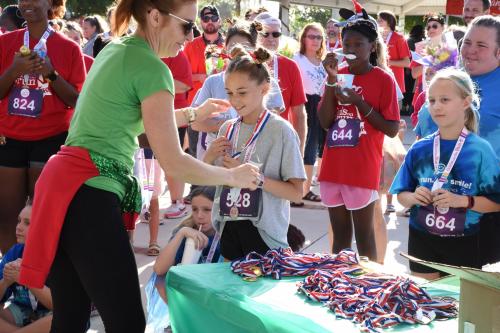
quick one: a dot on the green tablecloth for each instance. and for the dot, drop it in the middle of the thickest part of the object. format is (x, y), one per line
(210, 298)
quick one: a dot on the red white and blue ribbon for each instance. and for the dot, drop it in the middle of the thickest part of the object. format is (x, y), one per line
(372, 300)
(233, 131)
(284, 262)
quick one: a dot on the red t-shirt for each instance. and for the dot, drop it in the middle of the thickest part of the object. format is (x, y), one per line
(181, 71)
(418, 105)
(67, 59)
(336, 45)
(195, 52)
(88, 62)
(418, 83)
(360, 166)
(398, 49)
(290, 82)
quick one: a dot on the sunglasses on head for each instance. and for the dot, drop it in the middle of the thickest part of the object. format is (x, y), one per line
(313, 37)
(433, 26)
(187, 26)
(206, 18)
(275, 34)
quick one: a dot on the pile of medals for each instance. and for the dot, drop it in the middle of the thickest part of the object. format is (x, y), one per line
(373, 300)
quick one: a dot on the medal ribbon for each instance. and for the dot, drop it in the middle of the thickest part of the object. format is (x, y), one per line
(42, 40)
(38, 46)
(436, 155)
(233, 131)
(370, 299)
(388, 38)
(211, 252)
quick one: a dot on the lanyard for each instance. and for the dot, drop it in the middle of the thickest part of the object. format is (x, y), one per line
(388, 38)
(211, 253)
(436, 155)
(41, 42)
(233, 132)
(38, 46)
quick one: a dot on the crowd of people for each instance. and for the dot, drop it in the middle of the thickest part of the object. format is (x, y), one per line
(95, 113)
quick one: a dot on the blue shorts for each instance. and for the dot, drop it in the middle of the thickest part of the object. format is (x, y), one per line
(25, 315)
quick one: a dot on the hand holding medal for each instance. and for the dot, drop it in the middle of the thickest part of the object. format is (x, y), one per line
(24, 62)
(207, 112)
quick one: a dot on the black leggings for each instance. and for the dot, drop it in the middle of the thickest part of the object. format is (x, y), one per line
(95, 263)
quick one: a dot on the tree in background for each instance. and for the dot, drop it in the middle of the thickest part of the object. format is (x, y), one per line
(78, 8)
(301, 15)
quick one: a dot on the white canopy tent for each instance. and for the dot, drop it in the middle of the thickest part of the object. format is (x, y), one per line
(401, 8)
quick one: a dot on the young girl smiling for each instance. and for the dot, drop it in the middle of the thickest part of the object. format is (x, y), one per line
(255, 220)
(448, 178)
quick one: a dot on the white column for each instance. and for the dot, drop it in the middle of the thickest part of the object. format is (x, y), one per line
(284, 16)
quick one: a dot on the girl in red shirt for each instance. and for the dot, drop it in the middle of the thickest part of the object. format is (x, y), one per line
(38, 91)
(399, 52)
(357, 120)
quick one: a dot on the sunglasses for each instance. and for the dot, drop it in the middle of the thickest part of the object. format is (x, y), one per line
(433, 26)
(206, 18)
(313, 37)
(188, 26)
(275, 34)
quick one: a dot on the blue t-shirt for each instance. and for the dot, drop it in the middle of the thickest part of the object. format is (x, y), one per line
(476, 172)
(425, 126)
(489, 122)
(178, 256)
(20, 294)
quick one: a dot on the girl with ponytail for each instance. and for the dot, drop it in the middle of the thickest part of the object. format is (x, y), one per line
(255, 220)
(448, 179)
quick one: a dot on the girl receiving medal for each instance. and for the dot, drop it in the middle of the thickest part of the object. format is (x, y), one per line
(255, 220)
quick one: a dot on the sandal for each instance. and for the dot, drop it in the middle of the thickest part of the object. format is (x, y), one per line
(310, 196)
(296, 204)
(153, 250)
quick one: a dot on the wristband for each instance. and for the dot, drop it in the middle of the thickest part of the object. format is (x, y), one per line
(471, 202)
(190, 114)
(332, 85)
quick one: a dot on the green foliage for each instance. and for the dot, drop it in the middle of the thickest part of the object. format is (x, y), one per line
(227, 8)
(78, 8)
(300, 16)
(411, 21)
(75, 8)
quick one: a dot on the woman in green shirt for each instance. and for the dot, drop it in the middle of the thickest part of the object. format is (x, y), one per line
(77, 231)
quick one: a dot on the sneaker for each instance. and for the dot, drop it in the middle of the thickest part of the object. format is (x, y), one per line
(176, 210)
(389, 209)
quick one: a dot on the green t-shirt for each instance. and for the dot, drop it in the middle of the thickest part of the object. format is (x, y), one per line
(108, 117)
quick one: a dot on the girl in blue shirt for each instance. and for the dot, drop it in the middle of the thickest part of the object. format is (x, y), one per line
(449, 179)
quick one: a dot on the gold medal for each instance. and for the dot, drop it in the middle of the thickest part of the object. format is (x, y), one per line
(25, 51)
(257, 271)
(234, 212)
(3, 140)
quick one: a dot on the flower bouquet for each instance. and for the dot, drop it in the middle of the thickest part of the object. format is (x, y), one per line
(435, 58)
(214, 59)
